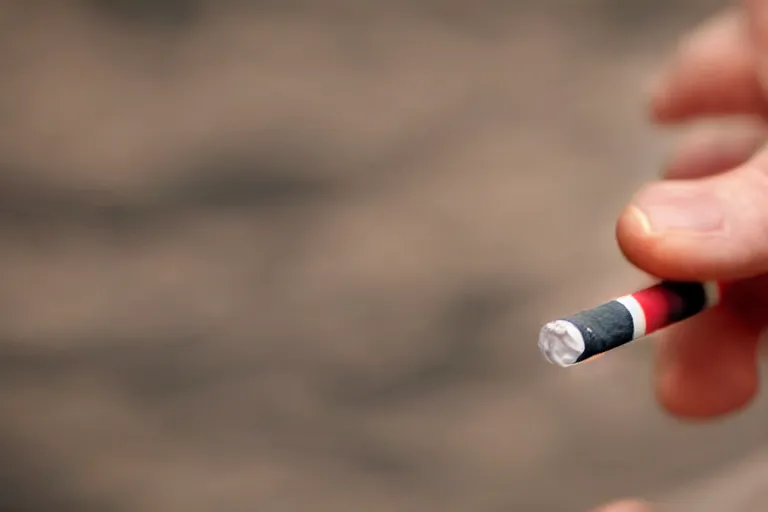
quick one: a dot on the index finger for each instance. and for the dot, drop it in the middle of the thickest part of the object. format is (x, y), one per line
(713, 73)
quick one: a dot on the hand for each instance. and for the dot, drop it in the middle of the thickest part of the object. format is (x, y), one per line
(708, 219)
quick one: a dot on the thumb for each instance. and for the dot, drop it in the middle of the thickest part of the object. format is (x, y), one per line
(714, 228)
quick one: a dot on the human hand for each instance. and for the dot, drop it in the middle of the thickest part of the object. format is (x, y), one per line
(708, 218)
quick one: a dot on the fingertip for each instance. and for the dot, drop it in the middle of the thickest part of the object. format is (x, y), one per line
(661, 105)
(665, 103)
(646, 250)
(712, 73)
(712, 228)
(707, 367)
(677, 396)
(633, 232)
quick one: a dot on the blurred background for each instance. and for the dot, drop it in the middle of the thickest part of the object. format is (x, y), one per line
(293, 255)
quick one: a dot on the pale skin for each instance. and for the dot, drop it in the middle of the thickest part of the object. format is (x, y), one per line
(707, 219)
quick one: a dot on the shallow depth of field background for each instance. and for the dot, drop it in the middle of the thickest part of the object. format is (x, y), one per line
(293, 255)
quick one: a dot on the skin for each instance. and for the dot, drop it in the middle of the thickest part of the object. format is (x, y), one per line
(707, 218)
(625, 506)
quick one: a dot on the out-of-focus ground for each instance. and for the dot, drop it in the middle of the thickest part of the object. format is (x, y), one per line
(287, 256)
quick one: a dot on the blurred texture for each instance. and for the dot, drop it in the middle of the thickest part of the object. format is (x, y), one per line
(293, 255)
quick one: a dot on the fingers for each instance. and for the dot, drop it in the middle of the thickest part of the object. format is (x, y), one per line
(624, 506)
(707, 366)
(709, 228)
(699, 225)
(709, 221)
(705, 153)
(712, 74)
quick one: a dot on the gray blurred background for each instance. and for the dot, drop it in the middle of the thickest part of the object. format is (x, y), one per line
(290, 255)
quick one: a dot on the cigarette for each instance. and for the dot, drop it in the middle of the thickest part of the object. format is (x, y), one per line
(577, 338)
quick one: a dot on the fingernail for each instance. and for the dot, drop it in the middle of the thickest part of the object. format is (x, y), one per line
(679, 207)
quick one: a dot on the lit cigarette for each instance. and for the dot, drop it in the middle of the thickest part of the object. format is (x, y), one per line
(579, 337)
